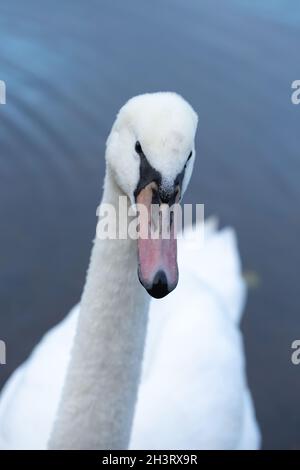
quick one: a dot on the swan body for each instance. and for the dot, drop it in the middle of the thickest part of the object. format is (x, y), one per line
(193, 393)
(113, 375)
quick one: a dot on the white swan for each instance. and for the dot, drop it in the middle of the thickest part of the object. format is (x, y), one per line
(193, 392)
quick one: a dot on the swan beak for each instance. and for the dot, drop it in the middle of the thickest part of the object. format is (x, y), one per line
(157, 244)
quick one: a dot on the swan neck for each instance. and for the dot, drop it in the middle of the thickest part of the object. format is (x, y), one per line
(99, 396)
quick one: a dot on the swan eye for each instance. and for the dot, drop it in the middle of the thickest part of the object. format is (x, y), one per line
(138, 147)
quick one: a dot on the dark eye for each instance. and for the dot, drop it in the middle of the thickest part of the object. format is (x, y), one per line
(138, 147)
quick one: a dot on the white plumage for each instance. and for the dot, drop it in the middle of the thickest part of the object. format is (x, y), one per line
(194, 392)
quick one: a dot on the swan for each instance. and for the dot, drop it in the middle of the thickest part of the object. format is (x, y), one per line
(89, 384)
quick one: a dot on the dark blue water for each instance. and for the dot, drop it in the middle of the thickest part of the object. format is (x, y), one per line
(69, 66)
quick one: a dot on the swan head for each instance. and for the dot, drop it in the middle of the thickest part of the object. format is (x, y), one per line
(150, 152)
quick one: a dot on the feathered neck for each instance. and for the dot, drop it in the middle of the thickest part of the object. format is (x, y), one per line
(98, 401)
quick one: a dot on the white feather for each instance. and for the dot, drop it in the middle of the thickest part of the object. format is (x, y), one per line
(194, 392)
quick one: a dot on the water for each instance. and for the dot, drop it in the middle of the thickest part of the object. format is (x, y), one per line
(283, 11)
(69, 66)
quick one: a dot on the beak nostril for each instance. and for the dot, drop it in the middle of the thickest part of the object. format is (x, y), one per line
(155, 196)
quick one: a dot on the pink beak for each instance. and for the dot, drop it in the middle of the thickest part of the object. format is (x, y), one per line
(157, 246)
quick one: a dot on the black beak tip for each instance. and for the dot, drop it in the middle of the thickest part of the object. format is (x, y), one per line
(159, 288)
